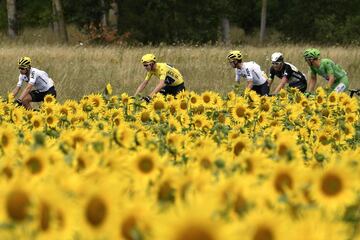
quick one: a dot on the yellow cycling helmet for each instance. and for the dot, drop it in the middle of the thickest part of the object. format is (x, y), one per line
(148, 58)
(24, 62)
(234, 55)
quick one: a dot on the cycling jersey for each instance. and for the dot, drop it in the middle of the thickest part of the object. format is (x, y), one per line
(328, 67)
(295, 78)
(252, 72)
(167, 73)
(38, 78)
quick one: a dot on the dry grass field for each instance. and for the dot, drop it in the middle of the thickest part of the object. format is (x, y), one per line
(82, 69)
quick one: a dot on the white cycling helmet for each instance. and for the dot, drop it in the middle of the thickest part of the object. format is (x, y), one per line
(277, 57)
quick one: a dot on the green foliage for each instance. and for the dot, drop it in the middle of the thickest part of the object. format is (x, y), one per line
(34, 13)
(172, 21)
(169, 21)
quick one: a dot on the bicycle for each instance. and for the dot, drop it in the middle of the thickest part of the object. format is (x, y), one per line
(354, 91)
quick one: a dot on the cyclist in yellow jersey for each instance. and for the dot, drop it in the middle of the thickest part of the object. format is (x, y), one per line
(171, 80)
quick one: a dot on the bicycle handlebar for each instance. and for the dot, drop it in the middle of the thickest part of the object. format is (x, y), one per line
(354, 91)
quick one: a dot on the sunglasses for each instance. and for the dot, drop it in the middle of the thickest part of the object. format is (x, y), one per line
(21, 68)
(145, 65)
(276, 63)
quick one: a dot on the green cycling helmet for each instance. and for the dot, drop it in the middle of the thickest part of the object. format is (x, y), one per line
(311, 53)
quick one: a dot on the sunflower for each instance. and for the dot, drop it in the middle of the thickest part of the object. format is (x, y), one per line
(239, 145)
(234, 195)
(64, 110)
(238, 112)
(192, 223)
(203, 159)
(183, 105)
(72, 105)
(98, 208)
(36, 162)
(125, 98)
(136, 220)
(261, 224)
(333, 188)
(169, 98)
(348, 130)
(283, 180)
(351, 107)
(49, 203)
(318, 227)
(333, 98)
(175, 140)
(254, 163)
(51, 121)
(287, 147)
(16, 199)
(351, 118)
(97, 101)
(76, 137)
(144, 116)
(17, 204)
(124, 136)
(8, 137)
(158, 103)
(194, 99)
(17, 116)
(49, 99)
(207, 98)
(201, 122)
(146, 162)
(108, 89)
(83, 159)
(262, 120)
(48, 109)
(265, 105)
(314, 123)
(174, 124)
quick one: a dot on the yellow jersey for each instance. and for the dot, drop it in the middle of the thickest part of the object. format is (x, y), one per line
(167, 73)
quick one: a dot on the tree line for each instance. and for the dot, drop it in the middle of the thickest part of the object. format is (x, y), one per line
(189, 21)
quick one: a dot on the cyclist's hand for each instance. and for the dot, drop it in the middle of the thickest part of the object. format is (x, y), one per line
(307, 94)
(18, 102)
(147, 99)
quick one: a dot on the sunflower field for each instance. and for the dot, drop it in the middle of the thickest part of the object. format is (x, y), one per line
(202, 166)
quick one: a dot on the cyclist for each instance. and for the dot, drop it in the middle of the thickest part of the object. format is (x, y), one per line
(335, 76)
(287, 72)
(256, 79)
(171, 80)
(39, 84)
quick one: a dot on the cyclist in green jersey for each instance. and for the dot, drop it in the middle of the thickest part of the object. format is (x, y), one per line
(335, 76)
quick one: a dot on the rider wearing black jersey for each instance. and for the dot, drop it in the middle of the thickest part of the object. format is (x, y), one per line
(287, 72)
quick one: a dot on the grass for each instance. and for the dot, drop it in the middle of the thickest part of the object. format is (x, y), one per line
(79, 70)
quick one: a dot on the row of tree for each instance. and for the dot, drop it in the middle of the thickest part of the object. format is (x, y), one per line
(173, 21)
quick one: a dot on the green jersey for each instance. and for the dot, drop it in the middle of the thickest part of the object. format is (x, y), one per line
(327, 67)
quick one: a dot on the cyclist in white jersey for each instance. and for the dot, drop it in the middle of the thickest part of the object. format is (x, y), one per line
(39, 84)
(251, 71)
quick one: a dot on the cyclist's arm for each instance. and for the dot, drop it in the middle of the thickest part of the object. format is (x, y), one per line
(158, 87)
(271, 77)
(26, 91)
(141, 87)
(282, 83)
(250, 84)
(331, 80)
(237, 77)
(270, 81)
(312, 82)
(18, 86)
(16, 90)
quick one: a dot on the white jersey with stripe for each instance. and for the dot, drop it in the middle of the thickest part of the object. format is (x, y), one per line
(38, 78)
(251, 72)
